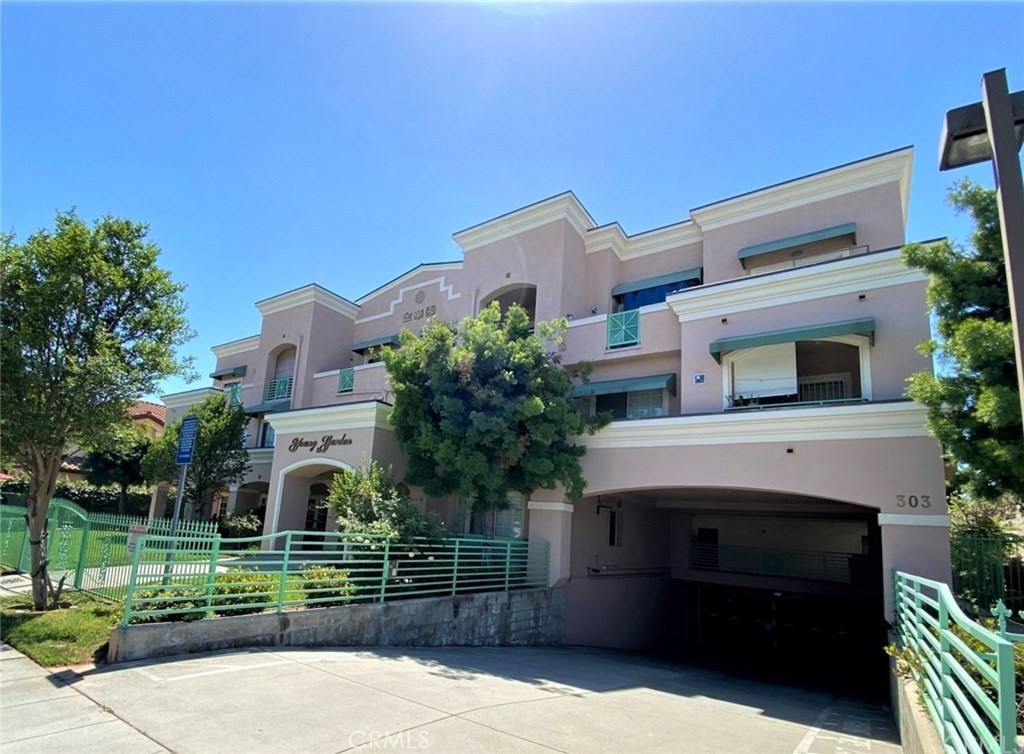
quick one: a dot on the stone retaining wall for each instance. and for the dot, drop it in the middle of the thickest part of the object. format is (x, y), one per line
(534, 617)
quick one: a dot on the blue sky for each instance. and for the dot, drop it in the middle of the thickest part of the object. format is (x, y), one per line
(270, 146)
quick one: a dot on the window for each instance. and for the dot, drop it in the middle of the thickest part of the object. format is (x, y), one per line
(615, 528)
(811, 371)
(267, 436)
(507, 523)
(638, 404)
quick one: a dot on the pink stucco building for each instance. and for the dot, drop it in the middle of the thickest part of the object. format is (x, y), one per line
(755, 356)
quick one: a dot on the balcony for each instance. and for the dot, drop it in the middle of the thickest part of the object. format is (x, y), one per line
(811, 565)
(346, 380)
(235, 395)
(279, 389)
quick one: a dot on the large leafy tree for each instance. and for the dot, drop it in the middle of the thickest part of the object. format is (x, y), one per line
(118, 461)
(484, 408)
(89, 322)
(972, 400)
(219, 455)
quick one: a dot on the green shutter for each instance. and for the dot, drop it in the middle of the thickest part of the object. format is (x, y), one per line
(346, 380)
(624, 328)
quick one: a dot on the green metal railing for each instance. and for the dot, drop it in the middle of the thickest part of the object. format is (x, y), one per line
(841, 567)
(235, 395)
(346, 380)
(623, 328)
(965, 671)
(279, 389)
(187, 578)
(987, 569)
(91, 551)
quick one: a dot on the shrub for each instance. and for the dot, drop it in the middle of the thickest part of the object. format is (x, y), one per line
(169, 599)
(242, 586)
(238, 525)
(92, 499)
(331, 585)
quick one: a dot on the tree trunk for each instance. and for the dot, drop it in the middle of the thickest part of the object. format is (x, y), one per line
(122, 502)
(42, 482)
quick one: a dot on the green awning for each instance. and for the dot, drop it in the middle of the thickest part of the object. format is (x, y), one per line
(836, 231)
(238, 371)
(672, 277)
(723, 346)
(628, 385)
(270, 407)
(387, 340)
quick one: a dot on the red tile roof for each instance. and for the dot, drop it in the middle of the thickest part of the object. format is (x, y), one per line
(144, 409)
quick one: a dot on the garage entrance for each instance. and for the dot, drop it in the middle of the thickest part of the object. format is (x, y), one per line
(778, 587)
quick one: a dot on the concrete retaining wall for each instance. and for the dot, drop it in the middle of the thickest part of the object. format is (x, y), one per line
(917, 732)
(533, 617)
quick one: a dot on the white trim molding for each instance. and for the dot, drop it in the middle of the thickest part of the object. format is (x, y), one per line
(446, 289)
(564, 206)
(406, 276)
(858, 421)
(649, 242)
(894, 167)
(236, 346)
(912, 519)
(543, 505)
(858, 274)
(309, 294)
(330, 418)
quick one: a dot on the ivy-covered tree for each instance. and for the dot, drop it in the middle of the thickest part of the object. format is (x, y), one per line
(972, 400)
(484, 408)
(219, 456)
(118, 461)
(88, 323)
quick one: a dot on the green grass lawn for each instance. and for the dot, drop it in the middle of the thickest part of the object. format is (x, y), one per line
(70, 636)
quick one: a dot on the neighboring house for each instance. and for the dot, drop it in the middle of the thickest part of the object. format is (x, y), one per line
(763, 457)
(149, 416)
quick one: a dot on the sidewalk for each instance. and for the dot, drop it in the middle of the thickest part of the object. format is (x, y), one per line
(41, 713)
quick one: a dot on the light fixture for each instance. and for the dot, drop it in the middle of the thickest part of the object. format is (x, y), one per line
(965, 140)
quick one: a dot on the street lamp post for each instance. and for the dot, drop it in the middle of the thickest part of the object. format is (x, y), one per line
(993, 129)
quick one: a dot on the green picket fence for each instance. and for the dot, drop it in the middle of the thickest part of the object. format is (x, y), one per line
(91, 551)
(965, 671)
(186, 578)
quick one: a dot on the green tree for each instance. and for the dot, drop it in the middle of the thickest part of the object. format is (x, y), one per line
(219, 456)
(118, 461)
(484, 408)
(89, 323)
(367, 501)
(972, 400)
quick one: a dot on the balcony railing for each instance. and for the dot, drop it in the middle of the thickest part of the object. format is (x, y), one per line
(346, 380)
(623, 328)
(814, 565)
(279, 389)
(235, 396)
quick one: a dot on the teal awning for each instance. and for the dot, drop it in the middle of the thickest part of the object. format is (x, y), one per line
(628, 385)
(270, 407)
(672, 277)
(238, 371)
(387, 340)
(723, 346)
(836, 231)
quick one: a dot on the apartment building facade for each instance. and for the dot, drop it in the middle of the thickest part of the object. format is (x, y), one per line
(754, 357)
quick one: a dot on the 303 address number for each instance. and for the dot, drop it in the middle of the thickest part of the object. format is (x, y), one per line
(913, 501)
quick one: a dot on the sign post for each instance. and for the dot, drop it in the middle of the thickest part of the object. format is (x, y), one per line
(186, 445)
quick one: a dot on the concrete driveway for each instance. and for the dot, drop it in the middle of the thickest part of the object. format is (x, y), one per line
(471, 700)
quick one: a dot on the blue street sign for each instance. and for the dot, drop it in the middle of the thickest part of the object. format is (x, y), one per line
(187, 439)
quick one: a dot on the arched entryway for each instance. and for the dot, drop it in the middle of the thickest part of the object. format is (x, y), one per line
(298, 493)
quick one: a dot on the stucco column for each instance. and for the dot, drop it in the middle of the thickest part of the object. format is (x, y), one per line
(552, 523)
(158, 500)
(232, 497)
(916, 544)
